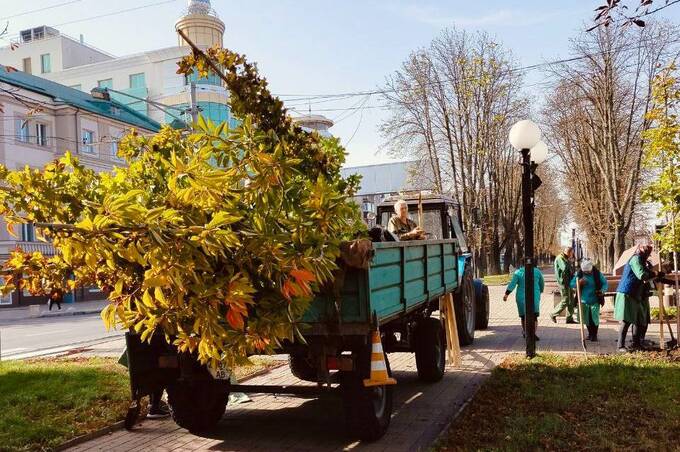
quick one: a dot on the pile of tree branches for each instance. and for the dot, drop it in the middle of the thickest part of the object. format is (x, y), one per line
(217, 238)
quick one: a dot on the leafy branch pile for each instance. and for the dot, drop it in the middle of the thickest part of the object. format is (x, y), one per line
(216, 238)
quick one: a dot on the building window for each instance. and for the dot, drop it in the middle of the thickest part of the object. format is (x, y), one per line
(5, 299)
(78, 87)
(114, 150)
(212, 79)
(41, 134)
(106, 83)
(88, 139)
(137, 80)
(45, 63)
(27, 65)
(27, 233)
(21, 130)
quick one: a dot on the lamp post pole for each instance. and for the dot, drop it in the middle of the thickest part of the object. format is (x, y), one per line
(525, 136)
(528, 218)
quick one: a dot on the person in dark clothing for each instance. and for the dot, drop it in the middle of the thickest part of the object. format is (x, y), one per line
(54, 298)
(157, 408)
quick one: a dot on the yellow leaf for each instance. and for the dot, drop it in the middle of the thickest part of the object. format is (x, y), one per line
(147, 300)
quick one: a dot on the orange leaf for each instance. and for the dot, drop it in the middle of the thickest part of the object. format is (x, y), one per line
(235, 319)
(303, 275)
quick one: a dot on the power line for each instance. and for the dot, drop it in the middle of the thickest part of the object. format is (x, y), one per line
(519, 69)
(100, 16)
(38, 10)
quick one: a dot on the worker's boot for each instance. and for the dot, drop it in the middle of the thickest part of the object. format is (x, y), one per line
(592, 333)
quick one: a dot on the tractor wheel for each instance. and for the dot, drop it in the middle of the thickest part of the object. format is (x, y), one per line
(464, 300)
(302, 368)
(482, 314)
(197, 406)
(368, 410)
(430, 345)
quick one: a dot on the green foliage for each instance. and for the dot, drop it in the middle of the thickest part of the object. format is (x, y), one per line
(662, 154)
(217, 238)
(44, 403)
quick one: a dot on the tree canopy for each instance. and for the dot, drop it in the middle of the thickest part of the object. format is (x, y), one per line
(217, 238)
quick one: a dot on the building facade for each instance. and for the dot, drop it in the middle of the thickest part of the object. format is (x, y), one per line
(146, 82)
(41, 120)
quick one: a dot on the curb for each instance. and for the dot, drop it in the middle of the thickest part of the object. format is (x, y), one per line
(90, 436)
(46, 314)
(442, 434)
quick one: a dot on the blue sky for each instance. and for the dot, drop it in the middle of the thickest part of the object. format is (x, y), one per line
(320, 47)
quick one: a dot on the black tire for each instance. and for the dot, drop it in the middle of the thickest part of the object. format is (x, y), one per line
(197, 406)
(465, 309)
(430, 347)
(302, 368)
(367, 410)
(482, 314)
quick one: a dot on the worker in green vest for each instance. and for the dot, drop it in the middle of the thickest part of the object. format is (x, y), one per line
(593, 285)
(563, 274)
(517, 281)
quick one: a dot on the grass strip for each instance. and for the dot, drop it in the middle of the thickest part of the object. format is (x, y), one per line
(621, 402)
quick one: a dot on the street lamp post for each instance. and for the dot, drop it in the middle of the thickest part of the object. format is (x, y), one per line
(525, 136)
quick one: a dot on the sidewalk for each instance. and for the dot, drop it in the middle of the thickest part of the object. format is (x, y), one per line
(421, 411)
(9, 315)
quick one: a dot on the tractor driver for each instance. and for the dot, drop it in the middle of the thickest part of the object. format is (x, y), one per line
(402, 226)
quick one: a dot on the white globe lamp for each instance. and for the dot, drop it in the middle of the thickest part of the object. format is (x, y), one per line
(539, 152)
(524, 135)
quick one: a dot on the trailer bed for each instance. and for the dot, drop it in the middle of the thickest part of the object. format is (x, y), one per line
(401, 278)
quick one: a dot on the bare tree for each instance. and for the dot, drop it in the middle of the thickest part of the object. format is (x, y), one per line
(595, 116)
(452, 105)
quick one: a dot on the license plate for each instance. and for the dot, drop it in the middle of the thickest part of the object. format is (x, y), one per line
(220, 372)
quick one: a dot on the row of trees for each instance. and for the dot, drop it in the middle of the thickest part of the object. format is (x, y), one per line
(451, 106)
(595, 116)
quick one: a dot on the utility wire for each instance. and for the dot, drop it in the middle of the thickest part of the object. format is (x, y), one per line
(519, 69)
(100, 16)
(38, 10)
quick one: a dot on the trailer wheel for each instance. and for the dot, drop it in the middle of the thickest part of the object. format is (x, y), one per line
(482, 300)
(430, 345)
(465, 309)
(302, 368)
(197, 407)
(367, 410)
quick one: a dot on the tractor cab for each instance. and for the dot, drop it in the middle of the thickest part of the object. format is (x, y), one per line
(441, 216)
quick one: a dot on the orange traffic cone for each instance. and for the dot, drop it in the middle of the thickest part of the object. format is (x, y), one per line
(379, 375)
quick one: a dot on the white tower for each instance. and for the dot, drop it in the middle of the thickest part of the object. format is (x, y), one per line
(201, 24)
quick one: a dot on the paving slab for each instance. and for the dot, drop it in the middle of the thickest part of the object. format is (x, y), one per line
(421, 411)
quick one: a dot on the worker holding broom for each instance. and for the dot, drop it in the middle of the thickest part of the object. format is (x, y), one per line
(593, 284)
(518, 282)
(632, 297)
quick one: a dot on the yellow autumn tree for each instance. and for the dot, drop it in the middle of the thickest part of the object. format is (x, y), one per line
(217, 238)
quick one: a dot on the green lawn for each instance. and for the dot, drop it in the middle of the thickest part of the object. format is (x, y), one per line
(625, 402)
(497, 280)
(45, 402)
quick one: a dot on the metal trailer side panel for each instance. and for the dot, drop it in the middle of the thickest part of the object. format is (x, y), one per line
(402, 277)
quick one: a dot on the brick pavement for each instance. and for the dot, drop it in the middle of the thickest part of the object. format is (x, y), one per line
(421, 411)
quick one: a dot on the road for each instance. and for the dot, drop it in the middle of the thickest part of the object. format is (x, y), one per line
(34, 337)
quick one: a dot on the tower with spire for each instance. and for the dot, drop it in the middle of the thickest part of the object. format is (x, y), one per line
(201, 24)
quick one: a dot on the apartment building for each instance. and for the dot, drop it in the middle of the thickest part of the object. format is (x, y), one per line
(39, 121)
